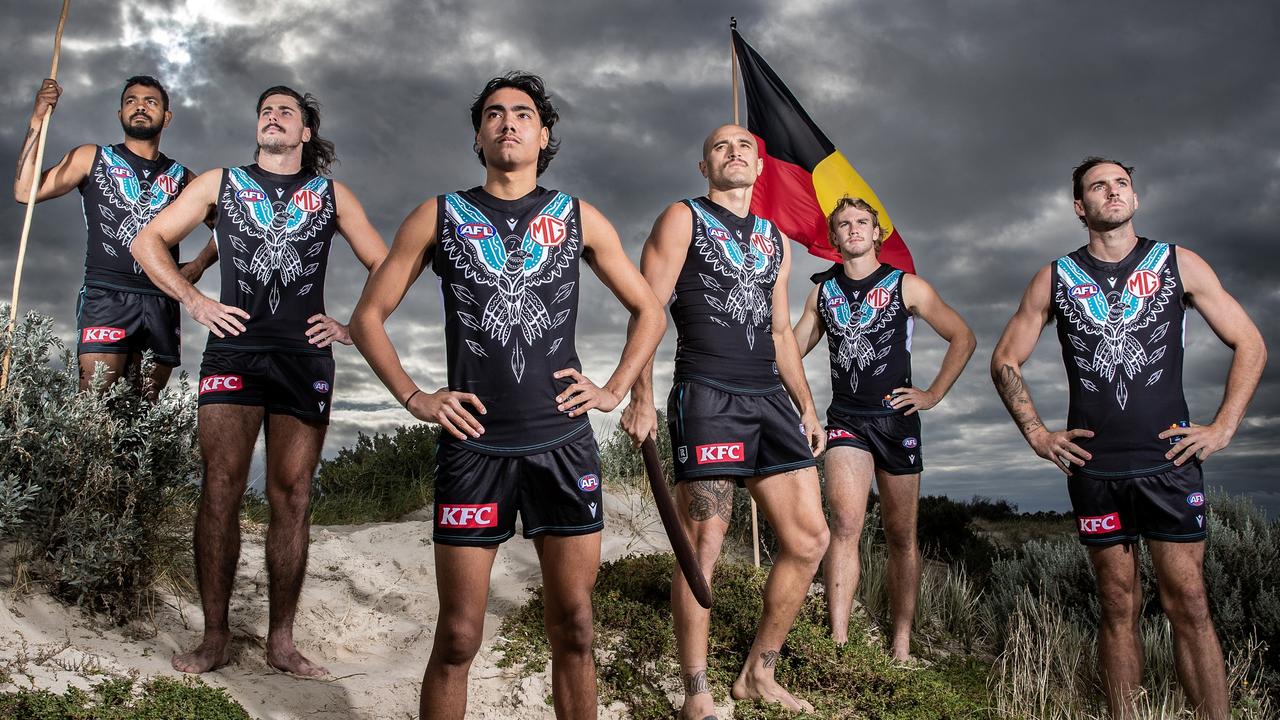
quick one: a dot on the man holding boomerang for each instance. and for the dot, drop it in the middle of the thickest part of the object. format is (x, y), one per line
(729, 413)
(515, 434)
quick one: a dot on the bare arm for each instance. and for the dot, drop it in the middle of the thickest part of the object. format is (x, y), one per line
(151, 250)
(1232, 325)
(370, 250)
(1015, 347)
(808, 330)
(922, 300)
(660, 263)
(194, 269)
(603, 252)
(787, 355)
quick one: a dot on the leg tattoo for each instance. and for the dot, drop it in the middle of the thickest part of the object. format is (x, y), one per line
(710, 498)
(769, 658)
(695, 683)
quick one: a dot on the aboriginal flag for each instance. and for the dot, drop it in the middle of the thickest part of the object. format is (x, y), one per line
(804, 174)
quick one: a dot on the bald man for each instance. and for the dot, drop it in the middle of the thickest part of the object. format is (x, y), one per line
(732, 412)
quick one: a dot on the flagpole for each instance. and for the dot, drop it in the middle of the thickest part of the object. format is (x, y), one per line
(31, 201)
(733, 77)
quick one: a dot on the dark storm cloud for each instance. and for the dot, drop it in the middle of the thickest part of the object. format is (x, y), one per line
(966, 119)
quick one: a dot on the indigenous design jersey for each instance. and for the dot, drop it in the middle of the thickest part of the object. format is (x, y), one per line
(723, 300)
(120, 195)
(509, 277)
(868, 331)
(273, 234)
(1121, 329)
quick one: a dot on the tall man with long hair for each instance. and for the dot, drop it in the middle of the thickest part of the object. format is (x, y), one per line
(732, 412)
(515, 436)
(121, 313)
(268, 362)
(867, 311)
(1131, 454)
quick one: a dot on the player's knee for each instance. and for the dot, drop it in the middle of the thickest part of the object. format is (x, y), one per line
(1118, 605)
(570, 628)
(456, 645)
(808, 546)
(844, 528)
(290, 494)
(900, 537)
(1186, 608)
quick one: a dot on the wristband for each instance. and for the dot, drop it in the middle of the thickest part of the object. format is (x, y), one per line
(406, 400)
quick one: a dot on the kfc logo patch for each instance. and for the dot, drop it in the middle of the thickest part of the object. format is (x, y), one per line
(1195, 499)
(878, 297)
(719, 453)
(548, 230)
(102, 335)
(1100, 524)
(588, 482)
(1081, 292)
(467, 516)
(719, 234)
(251, 195)
(839, 434)
(763, 243)
(477, 231)
(121, 172)
(167, 184)
(307, 201)
(320, 386)
(1143, 283)
(221, 383)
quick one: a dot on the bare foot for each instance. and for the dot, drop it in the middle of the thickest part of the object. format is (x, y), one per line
(288, 659)
(212, 653)
(751, 686)
(698, 707)
(901, 650)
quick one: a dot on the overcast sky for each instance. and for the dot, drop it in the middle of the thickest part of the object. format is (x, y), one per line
(966, 118)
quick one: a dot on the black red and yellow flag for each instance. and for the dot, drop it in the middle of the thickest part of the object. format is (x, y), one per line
(804, 174)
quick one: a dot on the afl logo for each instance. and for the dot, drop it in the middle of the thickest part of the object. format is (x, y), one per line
(548, 230)
(477, 231)
(763, 243)
(1088, 290)
(307, 200)
(320, 386)
(588, 482)
(835, 302)
(250, 195)
(167, 184)
(719, 234)
(878, 297)
(1195, 499)
(1143, 283)
(121, 172)
(910, 443)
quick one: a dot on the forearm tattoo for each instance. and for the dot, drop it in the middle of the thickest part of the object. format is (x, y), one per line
(1013, 391)
(27, 147)
(695, 683)
(769, 658)
(711, 498)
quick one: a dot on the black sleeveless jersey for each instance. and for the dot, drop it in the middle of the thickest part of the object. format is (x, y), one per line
(273, 234)
(868, 331)
(1121, 329)
(723, 301)
(509, 278)
(120, 195)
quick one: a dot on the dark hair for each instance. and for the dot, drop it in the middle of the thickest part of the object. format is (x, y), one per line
(318, 154)
(1077, 175)
(146, 81)
(532, 86)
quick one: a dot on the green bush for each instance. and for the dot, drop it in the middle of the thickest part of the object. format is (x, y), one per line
(96, 486)
(123, 699)
(380, 479)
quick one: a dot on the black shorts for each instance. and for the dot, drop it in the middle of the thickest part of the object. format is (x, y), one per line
(556, 492)
(893, 439)
(1166, 506)
(715, 433)
(119, 322)
(295, 384)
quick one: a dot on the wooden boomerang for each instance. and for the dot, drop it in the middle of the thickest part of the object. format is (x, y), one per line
(671, 523)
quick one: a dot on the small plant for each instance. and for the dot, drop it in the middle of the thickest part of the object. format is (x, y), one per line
(382, 478)
(125, 699)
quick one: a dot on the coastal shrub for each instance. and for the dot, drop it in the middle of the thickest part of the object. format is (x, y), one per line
(380, 478)
(160, 698)
(96, 487)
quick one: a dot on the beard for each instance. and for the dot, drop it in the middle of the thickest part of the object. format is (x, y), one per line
(140, 132)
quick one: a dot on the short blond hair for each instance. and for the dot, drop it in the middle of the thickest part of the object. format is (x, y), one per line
(847, 202)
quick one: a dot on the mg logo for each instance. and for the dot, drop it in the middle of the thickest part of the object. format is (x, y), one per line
(477, 231)
(1100, 524)
(763, 243)
(307, 200)
(1143, 283)
(878, 297)
(221, 383)
(167, 184)
(719, 453)
(467, 516)
(548, 231)
(102, 334)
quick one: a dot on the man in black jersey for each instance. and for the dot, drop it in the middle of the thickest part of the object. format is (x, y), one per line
(1130, 452)
(515, 436)
(730, 412)
(867, 311)
(268, 360)
(121, 313)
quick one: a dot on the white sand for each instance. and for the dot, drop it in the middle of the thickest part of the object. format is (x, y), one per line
(368, 611)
